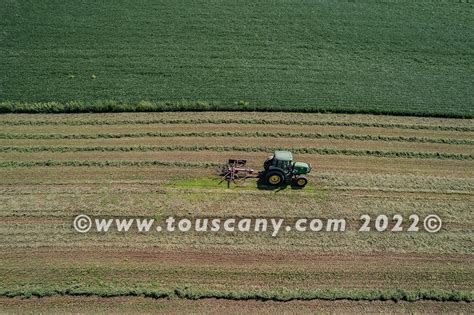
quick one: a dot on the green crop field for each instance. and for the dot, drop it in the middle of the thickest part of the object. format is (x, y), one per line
(399, 57)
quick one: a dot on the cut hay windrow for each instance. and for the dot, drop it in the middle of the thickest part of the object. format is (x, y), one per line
(111, 106)
(105, 163)
(262, 295)
(308, 150)
(234, 121)
(238, 134)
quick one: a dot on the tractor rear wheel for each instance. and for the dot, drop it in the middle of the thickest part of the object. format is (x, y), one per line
(274, 178)
(300, 181)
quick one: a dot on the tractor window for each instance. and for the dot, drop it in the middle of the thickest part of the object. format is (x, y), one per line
(283, 164)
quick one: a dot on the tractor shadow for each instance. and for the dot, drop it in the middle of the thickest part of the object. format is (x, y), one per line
(262, 186)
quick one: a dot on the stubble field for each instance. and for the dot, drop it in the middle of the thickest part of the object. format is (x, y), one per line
(54, 167)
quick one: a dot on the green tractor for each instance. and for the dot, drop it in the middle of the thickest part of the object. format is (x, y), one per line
(280, 169)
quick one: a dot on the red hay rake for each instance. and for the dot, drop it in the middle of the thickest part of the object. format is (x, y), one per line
(235, 172)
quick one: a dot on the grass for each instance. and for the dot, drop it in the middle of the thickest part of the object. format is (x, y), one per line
(40, 198)
(136, 305)
(255, 134)
(267, 295)
(39, 216)
(204, 182)
(222, 121)
(269, 149)
(213, 183)
(413, 58)
(110, 163)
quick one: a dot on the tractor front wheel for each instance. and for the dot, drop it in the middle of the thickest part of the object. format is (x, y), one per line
(300, 181)
(274, 178)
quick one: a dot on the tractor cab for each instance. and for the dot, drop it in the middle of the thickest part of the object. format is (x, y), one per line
(280, 168)
(281, 160)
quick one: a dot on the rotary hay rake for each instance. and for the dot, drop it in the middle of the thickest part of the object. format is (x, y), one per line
(236, 172)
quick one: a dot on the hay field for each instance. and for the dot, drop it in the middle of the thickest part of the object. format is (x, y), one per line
(54, 167)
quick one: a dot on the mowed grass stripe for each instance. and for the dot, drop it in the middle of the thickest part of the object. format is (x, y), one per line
(243, 115)
(279, 142)
(104, 163)
(264, 295)
(61, 236)
(187, 148)
(234, 121)
(131, 305)
(452, 269)
(203, 128)
(366, 166)
(337, 163)
(314, 135)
